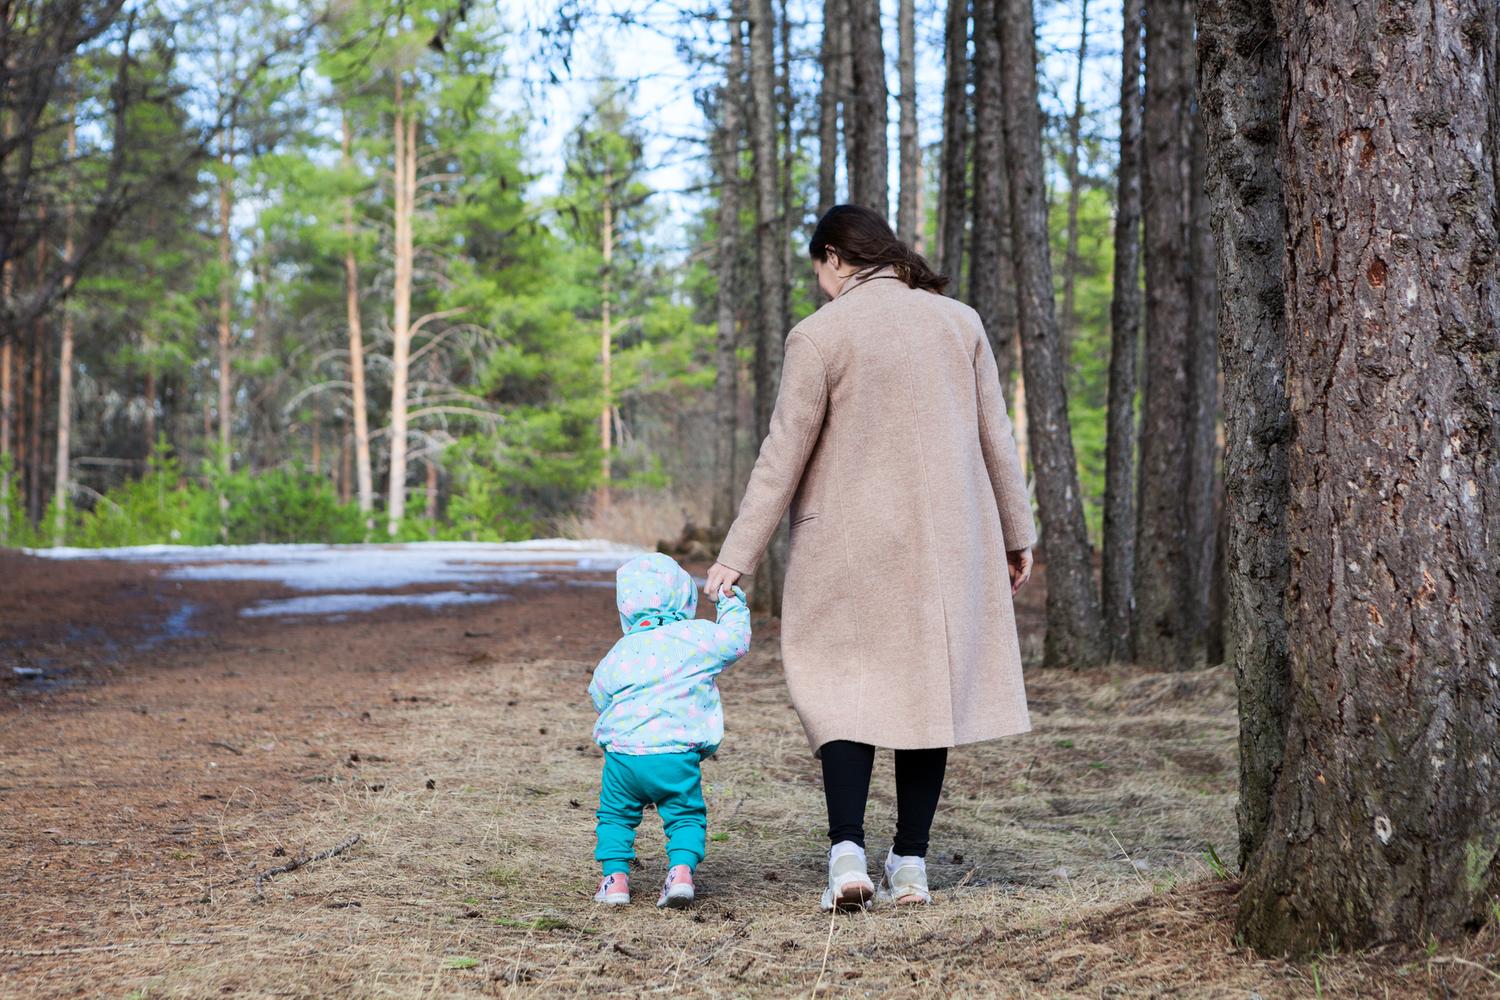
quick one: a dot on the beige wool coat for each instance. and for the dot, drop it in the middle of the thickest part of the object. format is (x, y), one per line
(891, 445)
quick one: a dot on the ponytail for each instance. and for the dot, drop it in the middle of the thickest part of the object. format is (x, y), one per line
(862, 238)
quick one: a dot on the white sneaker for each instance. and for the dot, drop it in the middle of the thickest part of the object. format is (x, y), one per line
(849, 886)
(904, 880)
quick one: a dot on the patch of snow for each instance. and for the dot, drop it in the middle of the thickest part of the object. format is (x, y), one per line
(375, 566)
(341, 604)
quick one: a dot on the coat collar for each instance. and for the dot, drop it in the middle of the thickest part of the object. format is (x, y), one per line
(863, 277)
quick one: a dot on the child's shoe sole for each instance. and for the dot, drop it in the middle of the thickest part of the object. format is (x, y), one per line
(613, 899)
(676, 898)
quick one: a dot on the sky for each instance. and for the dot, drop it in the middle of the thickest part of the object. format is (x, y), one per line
(639, 39)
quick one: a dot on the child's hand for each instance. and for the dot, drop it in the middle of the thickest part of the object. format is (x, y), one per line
(720, 579)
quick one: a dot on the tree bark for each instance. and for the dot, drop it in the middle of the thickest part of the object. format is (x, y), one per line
(769, 234)
(789, 211)
(829, 99)
(1203, 390)
(726, 374)
(37, 471)
(226, 293)
(868, 155)
(7, 404)
(606, 337)
(1240, 95)
(1162, 591)
(404, 197)
(991, 295)
(952, 180)
(1125, 328)
(907, 221)
(1385, 817)
(359, 403)
(1075, 190)
(1074, 636)
(60, 492)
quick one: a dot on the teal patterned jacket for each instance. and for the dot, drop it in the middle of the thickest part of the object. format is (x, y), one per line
(655, 690)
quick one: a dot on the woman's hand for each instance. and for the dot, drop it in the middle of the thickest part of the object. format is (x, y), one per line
(720, 579)
(1020, 568)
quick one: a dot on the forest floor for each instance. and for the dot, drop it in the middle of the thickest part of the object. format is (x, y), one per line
(144, 790)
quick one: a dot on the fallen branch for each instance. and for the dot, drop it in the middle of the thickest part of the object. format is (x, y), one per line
(296, 863)
(82, 948)
(232, 749)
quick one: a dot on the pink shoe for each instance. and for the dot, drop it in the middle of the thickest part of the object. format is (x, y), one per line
(677, 891)
(614, 890)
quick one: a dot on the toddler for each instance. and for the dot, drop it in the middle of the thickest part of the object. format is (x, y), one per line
(659, 716)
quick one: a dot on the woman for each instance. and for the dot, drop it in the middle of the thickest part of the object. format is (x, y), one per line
(891, 445)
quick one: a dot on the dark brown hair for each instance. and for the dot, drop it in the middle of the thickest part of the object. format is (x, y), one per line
(863, 238)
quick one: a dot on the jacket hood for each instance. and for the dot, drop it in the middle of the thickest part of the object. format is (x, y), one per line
(653, 590)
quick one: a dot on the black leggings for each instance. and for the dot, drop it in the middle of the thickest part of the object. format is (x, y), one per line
(846, 786)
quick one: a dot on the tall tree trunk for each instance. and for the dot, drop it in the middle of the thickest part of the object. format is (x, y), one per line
(404, 196)
(60, 491)
(1125, 328)
(868, 154)
(432, 495)
(769, 235)
(1385, 817)
(1074, 636)
(1203, 389)
(34, 426)
(7, 404)
(606, 338)
(990, 293)
(360, 402)
(1075, 190)
(1162, 590)
(952, 171)
(226, 291)
(726, 373)
(1240, 95)
(907, 221)
(789, 212)
(829, 98)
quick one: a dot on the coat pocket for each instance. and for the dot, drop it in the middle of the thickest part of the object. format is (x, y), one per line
(803, 519)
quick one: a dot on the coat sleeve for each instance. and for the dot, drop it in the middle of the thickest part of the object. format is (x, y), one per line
(798, 417)
(733, 617)
(1001, 457)
(599, 692)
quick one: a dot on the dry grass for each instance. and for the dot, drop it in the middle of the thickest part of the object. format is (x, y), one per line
(1068, 862)
(641, 517)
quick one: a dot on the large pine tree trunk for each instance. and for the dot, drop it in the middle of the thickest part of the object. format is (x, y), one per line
(404, 197)
(907, 222)
(1074, 636)
(769, 234)
(1203, 389)
(726, 374)
(359, 403)
(1075, 190)
(1163, 635)
(868, 155)
(1385, 818)
(988, 257)
(34, 427)
(952, 179)
(1125, 327)
(1240, 95)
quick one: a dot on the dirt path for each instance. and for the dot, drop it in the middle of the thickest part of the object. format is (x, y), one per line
(140, 802)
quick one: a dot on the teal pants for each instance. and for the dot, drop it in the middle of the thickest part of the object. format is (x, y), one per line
(670, 781)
